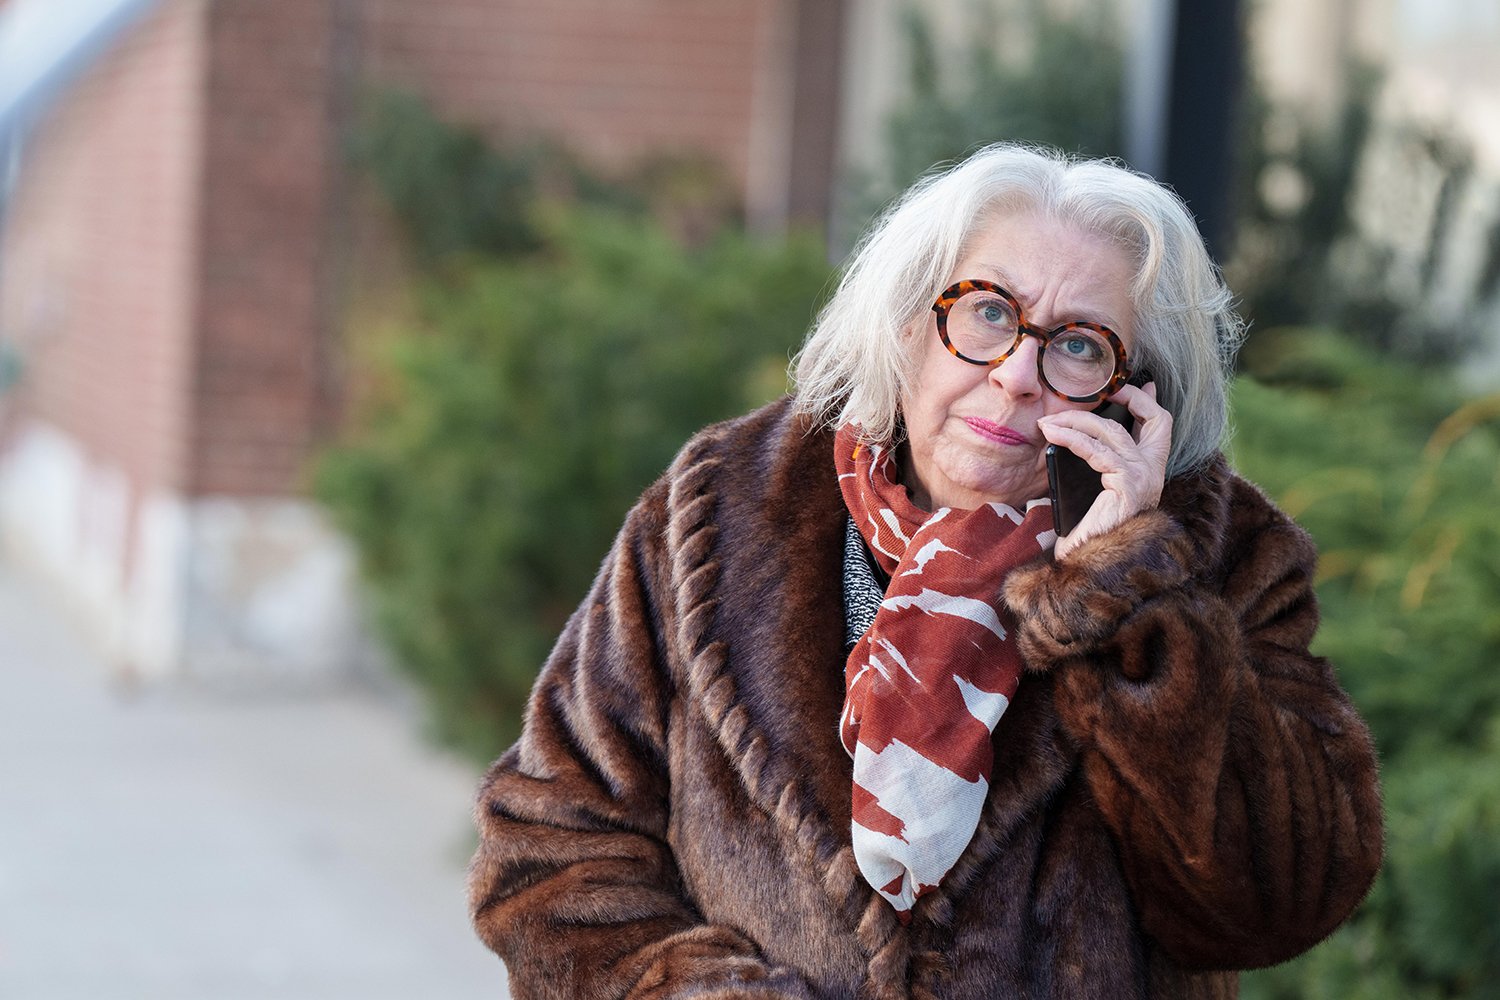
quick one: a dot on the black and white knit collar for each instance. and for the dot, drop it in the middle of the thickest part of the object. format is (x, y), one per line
(864, 586)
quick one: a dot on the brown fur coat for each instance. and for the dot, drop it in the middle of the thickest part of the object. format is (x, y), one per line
(1180, 787)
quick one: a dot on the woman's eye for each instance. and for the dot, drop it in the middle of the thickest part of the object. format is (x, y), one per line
(1080, 347)
(994, 312)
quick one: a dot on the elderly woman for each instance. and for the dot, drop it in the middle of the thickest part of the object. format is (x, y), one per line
(843, 717)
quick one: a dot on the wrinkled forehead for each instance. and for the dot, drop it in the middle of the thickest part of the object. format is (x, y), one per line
(1065, 272)
(1118, 233)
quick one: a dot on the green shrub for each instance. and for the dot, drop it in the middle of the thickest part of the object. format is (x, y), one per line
(1063, 88)
(453, 192)
(449, 188)
(1297, 185)
(1397, 476)
(510, 430)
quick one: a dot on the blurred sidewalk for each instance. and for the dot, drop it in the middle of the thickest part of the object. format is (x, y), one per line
(177, 845)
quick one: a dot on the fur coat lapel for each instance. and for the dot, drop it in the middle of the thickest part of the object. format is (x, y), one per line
(767, 659)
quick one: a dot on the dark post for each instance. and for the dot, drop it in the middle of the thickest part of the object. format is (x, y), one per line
(1207, 71)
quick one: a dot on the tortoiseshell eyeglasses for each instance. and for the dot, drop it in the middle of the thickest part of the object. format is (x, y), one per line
(983, 324)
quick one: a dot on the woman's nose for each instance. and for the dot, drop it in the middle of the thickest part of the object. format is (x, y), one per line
(1017, 374)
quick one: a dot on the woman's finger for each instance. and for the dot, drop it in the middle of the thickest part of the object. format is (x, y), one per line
(1088, 435)
(1132, 464)
(1102, 456)
(1153, 423)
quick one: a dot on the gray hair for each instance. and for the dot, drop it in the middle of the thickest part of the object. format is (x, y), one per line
(858, 359)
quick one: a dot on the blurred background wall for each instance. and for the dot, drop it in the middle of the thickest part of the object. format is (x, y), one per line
(182, 231)
(174, 253)
(1425, 203)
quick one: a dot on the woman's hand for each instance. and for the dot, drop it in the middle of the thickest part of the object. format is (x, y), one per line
(1133, 466)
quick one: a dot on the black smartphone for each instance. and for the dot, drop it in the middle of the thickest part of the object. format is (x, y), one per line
(1071, 482)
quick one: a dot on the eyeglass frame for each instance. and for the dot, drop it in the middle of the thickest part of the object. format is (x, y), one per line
(959, 289)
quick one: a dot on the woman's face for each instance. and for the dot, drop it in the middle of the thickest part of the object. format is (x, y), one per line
(972, 434)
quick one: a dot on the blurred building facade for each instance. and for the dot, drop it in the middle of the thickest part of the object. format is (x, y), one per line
(170, 289)
(1425, 216)
(173, 251)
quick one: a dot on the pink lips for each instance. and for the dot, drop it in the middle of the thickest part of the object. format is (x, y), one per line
(995, 432)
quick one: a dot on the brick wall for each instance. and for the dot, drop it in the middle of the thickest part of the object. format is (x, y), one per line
(173, 264)
(100, 252)
(619, 78)
(752, 83)
(172, 258)
(167, 252)
(264, 313)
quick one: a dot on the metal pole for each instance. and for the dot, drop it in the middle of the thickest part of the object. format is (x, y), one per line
(1148, 77)
(1207, 74)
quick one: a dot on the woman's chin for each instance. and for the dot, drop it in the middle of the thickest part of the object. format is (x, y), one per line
(1013, 489)
(964, 478)
(978, 493)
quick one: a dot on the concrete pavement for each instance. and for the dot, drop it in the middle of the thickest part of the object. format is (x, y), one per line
(182, 845)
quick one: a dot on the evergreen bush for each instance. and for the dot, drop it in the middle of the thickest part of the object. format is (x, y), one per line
(450, 189)
(509, 430)
(1397, 477)
(454, 192)
(1061, 85)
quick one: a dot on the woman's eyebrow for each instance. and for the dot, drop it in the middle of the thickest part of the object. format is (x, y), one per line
(999, 275)
(1083, 314)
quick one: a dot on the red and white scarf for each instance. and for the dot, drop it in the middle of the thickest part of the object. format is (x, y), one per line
(928, 681)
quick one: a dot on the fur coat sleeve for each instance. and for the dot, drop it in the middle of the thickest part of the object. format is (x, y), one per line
(1235, 775)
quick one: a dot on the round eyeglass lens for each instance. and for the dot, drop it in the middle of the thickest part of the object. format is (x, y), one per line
(982, 325)
(1078, 361)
